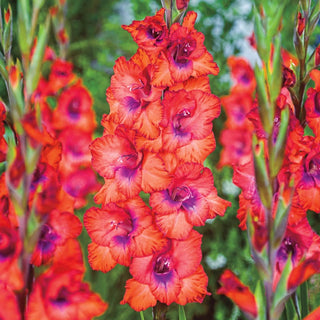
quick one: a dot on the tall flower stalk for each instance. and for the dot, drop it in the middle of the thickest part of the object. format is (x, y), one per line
(156, 189)
(279, 176)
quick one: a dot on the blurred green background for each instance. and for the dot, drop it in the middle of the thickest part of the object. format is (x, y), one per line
(96, 41)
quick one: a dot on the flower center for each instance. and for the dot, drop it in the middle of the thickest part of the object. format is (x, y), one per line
(62, 297)
(182, 52)
(179, 117)
(128, 160)
(162, 265)
(288, 246)
(73, 108)
(155, 34)
(125, 225)
(181, 193)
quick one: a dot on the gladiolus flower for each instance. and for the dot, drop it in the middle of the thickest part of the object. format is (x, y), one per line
(185, 55)
(59, 294)
(59, 227)
(170, 275)
(187, 118)
(240, 294)
(151, 34)
(189, 200)
(125, 230)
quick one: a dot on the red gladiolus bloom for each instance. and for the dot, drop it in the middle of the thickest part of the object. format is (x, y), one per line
(131, 95)
(297, 240)
(79, 184)
(187, 118)
(58, 227)
(52, 196)
(116, 158)
(189, 200)
(151, 34)
(61, 75)
(307, 267)
(75, 147)
(308, 185)
(240, 294)
(242, 74)
(61, 294)
(237, 106)
(239, 151)
(123, 230)
(74, 109)
(170, 275)
(185, 55)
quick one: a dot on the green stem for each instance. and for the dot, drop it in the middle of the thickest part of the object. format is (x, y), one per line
(160, 311)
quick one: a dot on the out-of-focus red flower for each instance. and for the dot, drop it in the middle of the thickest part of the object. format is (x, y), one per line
(189, 200)
(170, 275)
(185, 55)
(237, 105)
(74, 108)
(125, 230)
(75, 147)
(50, 194)
(79, 183)
(240, 294)
(58, 227)
(237, 152)
(242, 74)
(60, 75)
(151, 34)
(61, 294)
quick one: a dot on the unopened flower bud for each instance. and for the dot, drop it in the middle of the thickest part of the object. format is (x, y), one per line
(317, 56)
(288, 77)
(301, 24)
(182, 4)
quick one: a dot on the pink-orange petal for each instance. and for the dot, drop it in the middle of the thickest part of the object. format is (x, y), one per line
(138, 296)
(174, 225)
(193, 288)
(100, 258)
(187, 254)
(154, 174)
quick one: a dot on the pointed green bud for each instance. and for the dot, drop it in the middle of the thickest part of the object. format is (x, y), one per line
(281, 294)
(261, 173)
